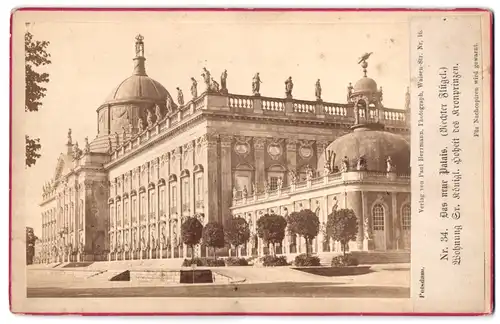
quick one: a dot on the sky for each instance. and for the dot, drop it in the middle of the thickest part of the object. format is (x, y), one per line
(89, 58)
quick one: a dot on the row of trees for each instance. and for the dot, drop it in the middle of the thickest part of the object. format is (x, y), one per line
(235, 232)
(342, 226)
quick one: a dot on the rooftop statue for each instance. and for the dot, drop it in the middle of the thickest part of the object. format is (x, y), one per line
(317, 91)
(180, 96)
(288, 87)
(256, 84)
(149, 118)
(70, 141)
(169, 105)
(345, 164)
(349, 92)
(361, 163)
(87, 146)
(140, 125)
(407, 98)
(194, 88)
(214, 86)
(77, 153)
(158, 113)
(206, 77)
(223, 79)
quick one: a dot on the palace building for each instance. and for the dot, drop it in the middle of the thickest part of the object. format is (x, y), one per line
(156, 160)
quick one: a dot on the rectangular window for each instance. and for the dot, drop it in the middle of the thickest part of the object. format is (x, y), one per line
(143, 207)
(125, 212)
(152, 204)
(173, 199)
(134, 212)
(162, 201)
(119, 214)
(112, 215)
(273, 183)
(199, 188)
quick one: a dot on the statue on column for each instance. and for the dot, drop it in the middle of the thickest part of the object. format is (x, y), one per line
(87, 146)
(245, 191)
(293, 176)
(267, 187)
(356, 113)
(77, 153)
(254, 188)
(206, 77)
(366, 229)
(117, 139)
(180, 96)
(214, 86)
(70, 140)
(288, 87)
(345, 164)
(110, 145)
(335, 205)
(317, 91)
(124, 134)
(158, 114)
(194, 88)
(149, 119)
(169, 105)
(223, 79)
(309, 173)
(381, 92)
(256, 84)
(390, 164)
(279, 183)
(130, 129)
(140, 125)
(235, 192)
(407, 98)
(349, 92)
(361, 166)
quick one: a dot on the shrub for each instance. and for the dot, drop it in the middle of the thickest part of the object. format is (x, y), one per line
(214, 262)
(304, 260)
(344, 261)
(188, 262)
(342, 226)
(306, 224)
(203, 262)
(213, 236)
(274, 261)
(271, 229)
(231, 262)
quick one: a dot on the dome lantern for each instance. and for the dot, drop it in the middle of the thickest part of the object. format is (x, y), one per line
(366, 97)
(139, 59)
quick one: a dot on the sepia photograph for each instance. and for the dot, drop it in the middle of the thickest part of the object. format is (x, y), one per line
(220, 155)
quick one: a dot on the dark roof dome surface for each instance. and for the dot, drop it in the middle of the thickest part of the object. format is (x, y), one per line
(365, 84)
(375, 145)
(138, 87)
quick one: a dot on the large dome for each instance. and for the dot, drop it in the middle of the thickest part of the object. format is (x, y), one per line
(138, 87)
(365, 84)
(375, 144)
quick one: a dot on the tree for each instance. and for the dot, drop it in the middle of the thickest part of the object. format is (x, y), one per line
(36, 55)
(342, 226)
(306, 224)
(191, 230)
(236, 232)
(271, 228)
(213, 236)
(32, 148)
(30, 244)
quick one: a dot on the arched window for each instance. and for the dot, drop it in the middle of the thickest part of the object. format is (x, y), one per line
(406, 217)
(378, 214)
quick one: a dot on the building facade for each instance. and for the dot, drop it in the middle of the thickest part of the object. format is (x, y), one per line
(156, 160)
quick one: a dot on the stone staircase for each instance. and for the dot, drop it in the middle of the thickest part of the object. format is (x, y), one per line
(382, 257)
(325, 258)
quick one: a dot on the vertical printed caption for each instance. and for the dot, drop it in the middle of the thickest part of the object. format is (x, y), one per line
(447, 164)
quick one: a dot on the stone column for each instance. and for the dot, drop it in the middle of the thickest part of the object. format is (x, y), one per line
(395, 225)
(354, 202)
(211, 177)
(226, 176)
(260, 171)
(291, 157)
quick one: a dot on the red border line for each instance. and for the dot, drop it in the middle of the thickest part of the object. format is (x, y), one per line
(492, 133)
